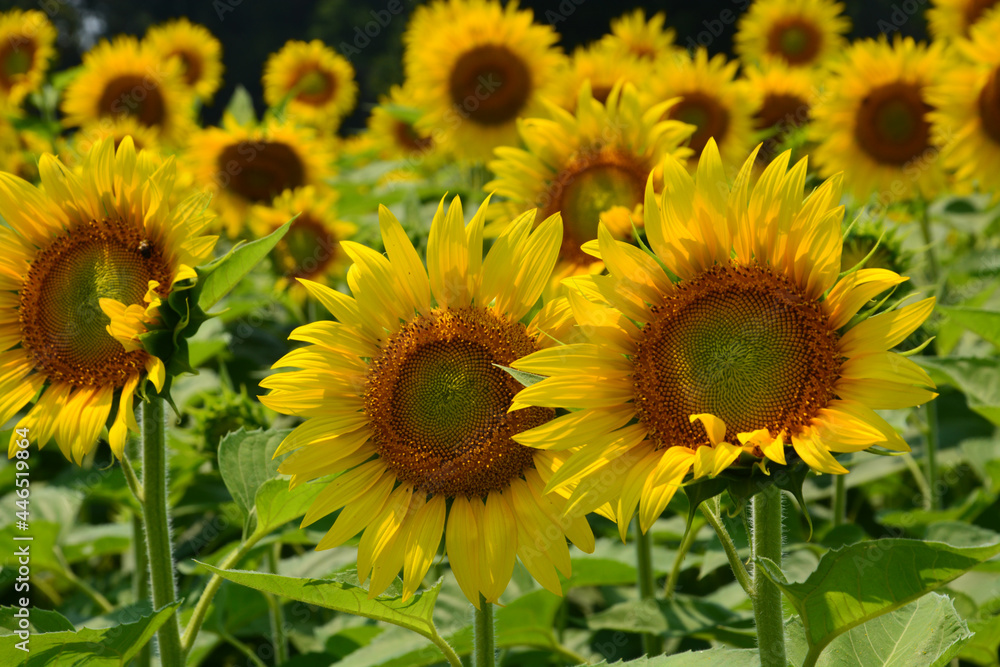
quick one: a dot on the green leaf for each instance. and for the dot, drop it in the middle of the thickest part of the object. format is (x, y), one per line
(925, 633)
(730, 657)
(680, 616)
(241, 107)
(40, 620)
(277, 504)
(853, 585)
(983, 647)
(217, 278)
(527, 379)
(245, 463)
(978, 379)
(599, 572)
(340, 594)
(107, 647)
(985, 323)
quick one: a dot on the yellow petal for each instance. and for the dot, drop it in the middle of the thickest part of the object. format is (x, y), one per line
(883, 394)
(714, 427)
(410, 273)
(815, 455)
(855, 290)
(574, 391)
(884, 331)
(448, 256)
(422, 541)
(343, 490)
(498, 541)
(360, 512)
(118, 435)
(576, 428)
(462, 542)
(381, 533)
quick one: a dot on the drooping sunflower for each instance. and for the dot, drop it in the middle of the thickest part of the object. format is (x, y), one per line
(603, 67)
(871, 121)
(26, 39)
(88, 259)
(318, 83)
(244, 165)
(589, 166)
(799, 33)
(486, 66)
(403, 396)
(311, 247)
(126, 78)
(392, 128)
(711, 100)
(948, 19)
(197, 50)
(755, 352)
(966, 119)
(786, 96)
(632, 35)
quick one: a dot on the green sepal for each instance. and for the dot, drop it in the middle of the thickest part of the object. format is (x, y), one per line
(699, 491)
(219, 276)
(527, 379)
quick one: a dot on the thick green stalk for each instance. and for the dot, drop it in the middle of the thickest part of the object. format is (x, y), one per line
(652, 643)
(933, 436)
(710, 510)
(839, 499)
(140, 582)
(767, 525)
(484, 651)
(156, 518)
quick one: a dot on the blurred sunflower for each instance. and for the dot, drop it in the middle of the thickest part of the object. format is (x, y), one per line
(590, 166)
(632, 35)
(711, 100)
(756, 348)
(26, 39)
(126, 78)
(88, 259)
(966, 119)
(20, 150)
(391, 127)
(947, 19)
(143, 138)
(402, 395)
(786, 95)
(197, 50)
(871, 122)
(486, 66)
(311, 247)
(317, 82)
(246, 165)
(603, 67)
(800, 33)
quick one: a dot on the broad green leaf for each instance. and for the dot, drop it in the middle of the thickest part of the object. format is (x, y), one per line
(87, 541)
(40, 620)
(217, 278)
(982, 649)
(925, 633)
(277, 504)
(985, 323)
(730, 657)
(527, 379)
(978, 379)
(599, 572)
(678, 617)
(853, 585)
(241, 107)
(108, 647)
(245, 463)
(340, 595)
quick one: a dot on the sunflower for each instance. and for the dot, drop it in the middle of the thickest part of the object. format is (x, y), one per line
(756, 351)
(143, 138)
(486, 66)
(88, 259)
(403, 397)
(871, 122)
(590, 166)
(785, 95)
(391, 126)
(947, 19)
(800, 33)
(245, 165)
(711, 100)
(20, 150)
(197, 50)
(603, 67)
(126, 78)
(26, 39)
(966, 120)
(632, 35)
(311, 247)
(318, 84)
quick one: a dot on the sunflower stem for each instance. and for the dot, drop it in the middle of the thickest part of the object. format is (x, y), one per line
(710, 510)
(933, 436)
(156, 519)
(140, 582)
(925, 230)
(675, 572)
(767, 529)
(485, 649)
(652, 643)
(839, 499)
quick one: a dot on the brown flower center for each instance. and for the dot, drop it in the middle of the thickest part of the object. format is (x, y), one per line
(974, 10)
(795, 39)
(742, 343)
(133, 95)
(17, 55)
(314, 86)
(784, 112)
(891, 126)
(989, 106)
(62, 325)
(407, 138)
(438, 405)
(306, 250)
(191, 65)
(260, 171)
(490, 84)
(704, 112)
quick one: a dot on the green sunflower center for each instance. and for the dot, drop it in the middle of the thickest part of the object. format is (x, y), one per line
(315, 87)
(490, 85)
(133, 95)
(891, 125)
(989, 105)
(438, 405)
(706, 113)
(307, 249)
(261, 170)
(16, 59)
(62, 324)
(742, 343)
(795, 39)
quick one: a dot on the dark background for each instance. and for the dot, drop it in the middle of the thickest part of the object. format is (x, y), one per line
(252, 29)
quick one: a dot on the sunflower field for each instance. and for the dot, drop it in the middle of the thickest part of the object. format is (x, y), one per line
(646, 351)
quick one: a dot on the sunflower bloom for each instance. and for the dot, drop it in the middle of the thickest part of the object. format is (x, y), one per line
(602, 66)
(754, 352)
(786, 96)
(87, 260)
(486, 66)
(198, 51)
(318, 83)
(871, 122)
(798, 33)
(26, 39)
(395, 136)
(948, 19)
(403, 397)
(589, 166)
(632, 35)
